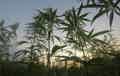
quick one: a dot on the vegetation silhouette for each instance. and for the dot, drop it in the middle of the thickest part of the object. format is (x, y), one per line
(54, 40)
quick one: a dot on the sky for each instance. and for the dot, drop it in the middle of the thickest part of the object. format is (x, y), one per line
(22, 11)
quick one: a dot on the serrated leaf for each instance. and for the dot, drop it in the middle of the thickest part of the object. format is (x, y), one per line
(91, 32)
(111, 19)
(117, 12)
(92, 6)
(117, 2)
(80, 9)
(56, 48)
(84, 15)
(22, 42)
(98, 15)
(100, 33)
(100, 41)
(58, 38)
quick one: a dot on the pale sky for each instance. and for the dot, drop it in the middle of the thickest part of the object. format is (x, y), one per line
(22, 10)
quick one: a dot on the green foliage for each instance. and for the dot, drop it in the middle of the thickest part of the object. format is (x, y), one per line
(56, 48)
(108, 7)
(7, 34)
(95, 68)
